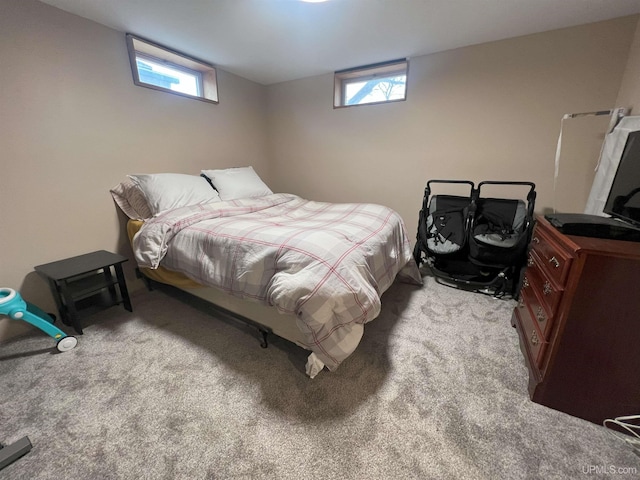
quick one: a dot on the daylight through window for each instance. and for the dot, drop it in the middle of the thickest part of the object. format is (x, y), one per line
(379, 83)
(154, 66)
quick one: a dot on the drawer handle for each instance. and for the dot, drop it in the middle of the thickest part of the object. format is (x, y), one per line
(525, 282)
(534, 338)
(546, 288)
(536, 240)
(530, 261)
(540, 315)
(555, 262)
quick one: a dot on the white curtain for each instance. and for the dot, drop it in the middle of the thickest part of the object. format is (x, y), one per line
(614, 144)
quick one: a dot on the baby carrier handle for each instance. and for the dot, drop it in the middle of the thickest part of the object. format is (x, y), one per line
(427, 189)
(531, 185)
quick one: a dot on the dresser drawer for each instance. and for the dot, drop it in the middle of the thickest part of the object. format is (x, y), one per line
(540, 315)
(531, 337)
(554, 261)
(548, 291)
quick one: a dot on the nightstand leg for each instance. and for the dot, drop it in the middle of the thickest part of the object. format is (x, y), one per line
(70, 307)
(55, 290)
(123, 287)
(106, 271)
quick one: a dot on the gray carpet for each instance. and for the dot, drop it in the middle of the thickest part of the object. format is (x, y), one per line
(437, 389)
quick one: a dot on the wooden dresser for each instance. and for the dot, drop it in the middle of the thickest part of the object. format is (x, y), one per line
(578, 320)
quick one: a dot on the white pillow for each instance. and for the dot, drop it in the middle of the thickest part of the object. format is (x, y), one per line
(166, 191)
(239, 182)
(131, 200)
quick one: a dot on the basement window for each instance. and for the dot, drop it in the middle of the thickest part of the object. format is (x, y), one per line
(371, 84)
(157, 67)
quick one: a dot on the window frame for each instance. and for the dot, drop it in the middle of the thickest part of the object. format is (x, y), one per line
(342, 78)
(205, 72)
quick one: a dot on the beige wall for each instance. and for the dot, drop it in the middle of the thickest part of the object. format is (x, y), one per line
(629, 94)
(74, 124)
(490, 111)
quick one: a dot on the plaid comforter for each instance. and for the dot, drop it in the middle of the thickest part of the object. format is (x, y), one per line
(327, 264)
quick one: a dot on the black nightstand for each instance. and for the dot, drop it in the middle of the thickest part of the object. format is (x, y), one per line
(82, 281)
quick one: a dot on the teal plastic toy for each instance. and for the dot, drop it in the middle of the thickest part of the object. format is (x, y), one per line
(12, 305)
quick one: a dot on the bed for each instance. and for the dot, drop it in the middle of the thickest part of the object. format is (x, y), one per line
(311, 272)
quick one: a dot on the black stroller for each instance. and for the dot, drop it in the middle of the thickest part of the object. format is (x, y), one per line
(476, 243)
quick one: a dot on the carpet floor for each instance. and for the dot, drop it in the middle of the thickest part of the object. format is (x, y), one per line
(436, 389)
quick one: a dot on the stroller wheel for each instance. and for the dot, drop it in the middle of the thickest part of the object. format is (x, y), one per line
(67, 343)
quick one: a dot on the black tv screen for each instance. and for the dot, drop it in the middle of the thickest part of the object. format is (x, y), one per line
(624, 197)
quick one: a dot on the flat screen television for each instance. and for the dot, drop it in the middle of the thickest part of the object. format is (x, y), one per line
(623, 202)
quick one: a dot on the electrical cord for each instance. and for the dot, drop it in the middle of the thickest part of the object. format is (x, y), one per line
(633, 438)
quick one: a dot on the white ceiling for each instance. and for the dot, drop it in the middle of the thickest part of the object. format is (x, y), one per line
(270, 41)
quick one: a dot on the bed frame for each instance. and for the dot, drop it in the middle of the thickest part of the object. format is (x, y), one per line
(265, 319)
